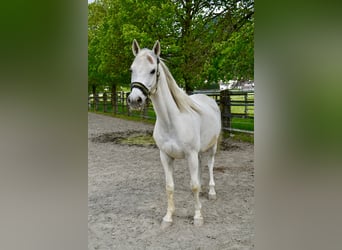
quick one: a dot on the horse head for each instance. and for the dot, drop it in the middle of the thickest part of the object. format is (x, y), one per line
(145, 74)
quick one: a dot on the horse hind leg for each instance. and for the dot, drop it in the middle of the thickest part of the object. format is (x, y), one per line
(211, 160)
(201, 165)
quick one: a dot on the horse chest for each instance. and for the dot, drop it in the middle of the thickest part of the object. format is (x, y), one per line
(170, 145)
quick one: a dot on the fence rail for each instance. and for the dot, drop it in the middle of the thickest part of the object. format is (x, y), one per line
(237, 107)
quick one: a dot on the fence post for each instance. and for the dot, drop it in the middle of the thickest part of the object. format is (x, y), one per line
(128, 110)
(104, 102)
(122, 96)
(246, 104)
(114, 98)
(96, 101)
(145, 110)
(225, 108)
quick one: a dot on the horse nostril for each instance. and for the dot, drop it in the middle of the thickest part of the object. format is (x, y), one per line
(139, 100)
(129, 100)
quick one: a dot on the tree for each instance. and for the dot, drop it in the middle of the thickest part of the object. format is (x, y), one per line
(201, 40)
(203, 24)
(96, 14)
(234, 58)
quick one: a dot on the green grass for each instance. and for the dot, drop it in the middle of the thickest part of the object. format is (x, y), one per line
(122, 110)
(239, 136)
(125, 117)
(241, 109)
(145, 140)
(243, 123)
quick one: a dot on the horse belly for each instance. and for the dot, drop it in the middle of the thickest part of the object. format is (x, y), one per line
(209, 144)
(209, 120)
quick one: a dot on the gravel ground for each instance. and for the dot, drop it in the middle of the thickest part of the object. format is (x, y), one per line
(127, 200)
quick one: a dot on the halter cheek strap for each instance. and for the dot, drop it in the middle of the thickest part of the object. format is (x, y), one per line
(155, 87)
(143, 88)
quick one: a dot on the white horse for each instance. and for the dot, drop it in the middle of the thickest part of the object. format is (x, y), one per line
(186, 126)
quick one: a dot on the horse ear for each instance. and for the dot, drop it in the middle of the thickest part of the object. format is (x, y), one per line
(156, 48)
(135, 47)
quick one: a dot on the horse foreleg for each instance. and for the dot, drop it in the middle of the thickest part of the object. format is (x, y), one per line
(167, 163)
(211, 159)
(195, 186)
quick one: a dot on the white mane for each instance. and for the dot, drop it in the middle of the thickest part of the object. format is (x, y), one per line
(182, 100)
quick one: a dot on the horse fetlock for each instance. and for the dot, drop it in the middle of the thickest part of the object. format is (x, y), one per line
(212, 196)
(171, 209)
(198, 222)
(171, 205)
(212, 189)
(169, 189)
(212, 192)
(168, 217)
(166, 224)
(198, 219)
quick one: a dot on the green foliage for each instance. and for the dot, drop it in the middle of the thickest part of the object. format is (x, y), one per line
(202, 41)
(235, 58)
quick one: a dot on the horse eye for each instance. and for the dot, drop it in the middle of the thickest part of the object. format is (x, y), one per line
(153, 71)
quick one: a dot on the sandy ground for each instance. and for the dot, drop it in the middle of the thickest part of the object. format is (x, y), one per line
(127, 200)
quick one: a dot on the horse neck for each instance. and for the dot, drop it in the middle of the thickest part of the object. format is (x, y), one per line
(163, 102)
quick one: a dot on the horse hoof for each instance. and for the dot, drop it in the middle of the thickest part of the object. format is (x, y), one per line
(198, 222)
(212, 196)
(165, 224)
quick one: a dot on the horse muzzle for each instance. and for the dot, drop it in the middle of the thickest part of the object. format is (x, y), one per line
(136, 100)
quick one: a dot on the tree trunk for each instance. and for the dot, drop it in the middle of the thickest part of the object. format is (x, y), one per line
(188, 88)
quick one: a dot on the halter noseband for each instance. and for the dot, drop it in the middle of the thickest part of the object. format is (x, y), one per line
(143, 88)
(140, 86)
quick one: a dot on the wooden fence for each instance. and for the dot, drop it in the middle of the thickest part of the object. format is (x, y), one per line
(237, 107)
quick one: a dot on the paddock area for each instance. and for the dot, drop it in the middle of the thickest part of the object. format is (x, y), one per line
(127, 199)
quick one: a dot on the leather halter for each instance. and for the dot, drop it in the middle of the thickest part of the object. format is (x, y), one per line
(147, 92)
